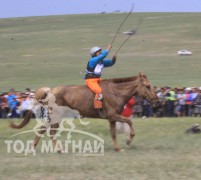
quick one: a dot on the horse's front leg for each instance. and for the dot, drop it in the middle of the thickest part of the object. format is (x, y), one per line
(120, 118)
(113, 134)
(40, 132)
(132, 132)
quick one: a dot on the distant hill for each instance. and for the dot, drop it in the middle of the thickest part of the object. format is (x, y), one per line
(54, 50)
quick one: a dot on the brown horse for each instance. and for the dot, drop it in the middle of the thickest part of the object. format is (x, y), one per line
(116, 93)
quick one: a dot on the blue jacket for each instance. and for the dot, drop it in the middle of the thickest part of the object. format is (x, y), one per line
(95, 60)
(98, 60)
(10, 99)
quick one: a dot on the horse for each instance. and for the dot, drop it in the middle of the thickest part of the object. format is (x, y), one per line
(116, 93)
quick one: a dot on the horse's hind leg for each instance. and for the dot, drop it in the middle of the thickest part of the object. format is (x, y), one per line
(113, 134)
(53, 131)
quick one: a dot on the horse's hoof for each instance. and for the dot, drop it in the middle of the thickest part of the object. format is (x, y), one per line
(122, 150)
(128, 142)
(60, 151)
(30, 151)
(117, 149)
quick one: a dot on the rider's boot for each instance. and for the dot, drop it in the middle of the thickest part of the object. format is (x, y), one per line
(98, 104)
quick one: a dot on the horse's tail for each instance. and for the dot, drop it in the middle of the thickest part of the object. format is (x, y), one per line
(40, 94)
(24, 122)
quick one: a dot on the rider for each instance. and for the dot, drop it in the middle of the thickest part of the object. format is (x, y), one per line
(94, 72)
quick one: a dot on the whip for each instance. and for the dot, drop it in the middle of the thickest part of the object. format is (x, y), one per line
(131, 33)
(122, 24)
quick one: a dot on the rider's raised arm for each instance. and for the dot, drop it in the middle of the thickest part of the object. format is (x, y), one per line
(95, 60)
(109, 62)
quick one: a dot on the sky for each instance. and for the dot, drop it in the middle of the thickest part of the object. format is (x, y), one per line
(26, 8)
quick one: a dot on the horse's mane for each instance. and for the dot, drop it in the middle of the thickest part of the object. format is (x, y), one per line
(121, 80)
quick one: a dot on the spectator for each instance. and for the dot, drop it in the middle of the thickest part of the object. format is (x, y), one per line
(14, 104)
(147, 109)
(161, 93)
(11, 95)
(27, 91)
(128, 108)
(138, 106)
(170, 97)
(127, 112)
(197, 103)
(3, 106)
(188, 101)
(180, 102)
(26, 104)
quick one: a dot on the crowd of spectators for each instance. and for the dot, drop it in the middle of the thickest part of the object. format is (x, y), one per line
(15, 104)
(173, 102)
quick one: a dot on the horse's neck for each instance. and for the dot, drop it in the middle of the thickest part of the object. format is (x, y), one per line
(127, 88)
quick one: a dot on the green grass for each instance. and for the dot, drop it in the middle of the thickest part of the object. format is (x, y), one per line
(51, 51)
(161, 150)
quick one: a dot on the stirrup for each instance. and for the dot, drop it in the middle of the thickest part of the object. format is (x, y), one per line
(99, 96)
(101, 113)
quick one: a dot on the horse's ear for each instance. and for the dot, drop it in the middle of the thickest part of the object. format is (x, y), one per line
(141, 74)
(142, 79)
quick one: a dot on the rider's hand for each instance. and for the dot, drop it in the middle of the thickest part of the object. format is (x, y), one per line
(109, 47)
(114, 58)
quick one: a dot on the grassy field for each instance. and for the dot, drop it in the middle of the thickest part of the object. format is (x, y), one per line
(161, 150)
(51, 51)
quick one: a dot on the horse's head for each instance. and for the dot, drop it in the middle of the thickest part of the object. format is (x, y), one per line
(41, 95)
(145, 88)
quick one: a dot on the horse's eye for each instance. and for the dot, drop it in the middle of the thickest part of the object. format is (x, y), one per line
(148, 87)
